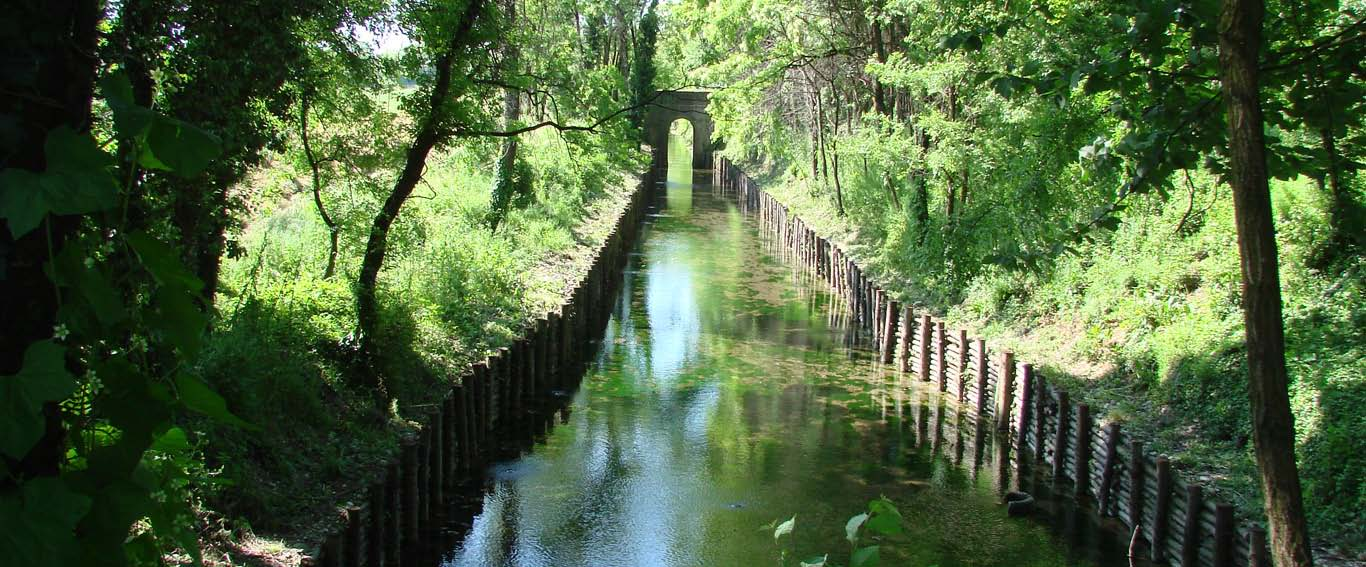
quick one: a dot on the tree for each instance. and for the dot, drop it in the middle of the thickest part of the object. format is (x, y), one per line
(643, 64)
(433, 129)
(1273, 426)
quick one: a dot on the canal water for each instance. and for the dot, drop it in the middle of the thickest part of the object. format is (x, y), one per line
(728, 393)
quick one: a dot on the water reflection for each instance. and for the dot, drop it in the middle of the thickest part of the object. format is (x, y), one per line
(726, 395)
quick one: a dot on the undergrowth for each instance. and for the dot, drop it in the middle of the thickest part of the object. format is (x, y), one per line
(452, 291)
(1146, 322)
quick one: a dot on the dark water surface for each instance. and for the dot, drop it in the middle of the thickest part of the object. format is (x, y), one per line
(729, 393)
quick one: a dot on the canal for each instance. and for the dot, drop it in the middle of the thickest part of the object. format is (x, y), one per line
(727, 394)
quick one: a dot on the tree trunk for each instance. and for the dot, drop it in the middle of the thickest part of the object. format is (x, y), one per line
(503, 182)
(63, 39)
(879, 90)
(820, 137)
(367, 309)
(1273, 427)
(333, 231)
(834, 147)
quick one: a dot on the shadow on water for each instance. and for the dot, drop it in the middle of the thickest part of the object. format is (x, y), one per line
(728, 391)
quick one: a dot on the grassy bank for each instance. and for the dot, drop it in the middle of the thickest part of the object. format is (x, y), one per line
(1145, 323)
(452, 291)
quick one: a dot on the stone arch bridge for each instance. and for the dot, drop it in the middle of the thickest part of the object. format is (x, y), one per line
(669, 106)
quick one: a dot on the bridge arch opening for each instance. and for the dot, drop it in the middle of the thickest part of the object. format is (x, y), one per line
(680, 143)
(665, 110)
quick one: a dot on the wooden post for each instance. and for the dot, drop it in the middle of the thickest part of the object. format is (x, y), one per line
(1005, 392)
(469, 445)
(1026, 409)
(374, 537)
(450, 425)
(331, 552)
(1042, 395)
(1107, 471)
(1257, 555)
(1136, 483)
(437, 461)
(1223, 535)
(410, 498)
(393, 512)
(888, 341)
(353, 539)
(1082, 475)
(942, 371)
(424, 474)
(1161, 509)
(907, 327)
(552, 367)
(1060, 435)
(876, 325)
(962, 365)
(981, 377)
(1190, 539)
(924, 348)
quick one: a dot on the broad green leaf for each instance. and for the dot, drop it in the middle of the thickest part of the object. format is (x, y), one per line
(886, 519)
(865, 557)
(179, 320)
(40, 521)
(852, 526)
(130, 120)
(179, 147)
(166, 143)
(76, 181)
(173, 441)
(198, 396)
(784, 528)
(68, 269)
(163, 262)
(43, 378)
(130, 400)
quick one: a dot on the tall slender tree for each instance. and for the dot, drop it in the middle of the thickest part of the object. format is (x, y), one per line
(1273, 426)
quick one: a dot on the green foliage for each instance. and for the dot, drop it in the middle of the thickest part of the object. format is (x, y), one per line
(1057, 170)
(75, 182)
(132, 326)
(882, 520)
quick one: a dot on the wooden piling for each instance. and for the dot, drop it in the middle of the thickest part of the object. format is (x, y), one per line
(907, 327)
(393, 513)
(448, 430)
(1060, 435)
(1026, 409)
(962, 365)
(1257, 555)
(424, 474)
(981, 377)
(925, 348)
(1082, 475)
(1005, 391)
(1161, 509)
(941, 372)
(331, 553)
(411, 506)
(1043, 394)
(1190, 538)
(374, 536)
(437, 460)
(353, 538)
(1107, 471)
(1136, 483)
(1223, 535)
(888, 341)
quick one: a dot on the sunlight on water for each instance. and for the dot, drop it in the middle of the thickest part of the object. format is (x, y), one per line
(725, 396)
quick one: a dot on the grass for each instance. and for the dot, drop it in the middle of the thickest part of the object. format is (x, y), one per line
(1146, 324)
(450, 292)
